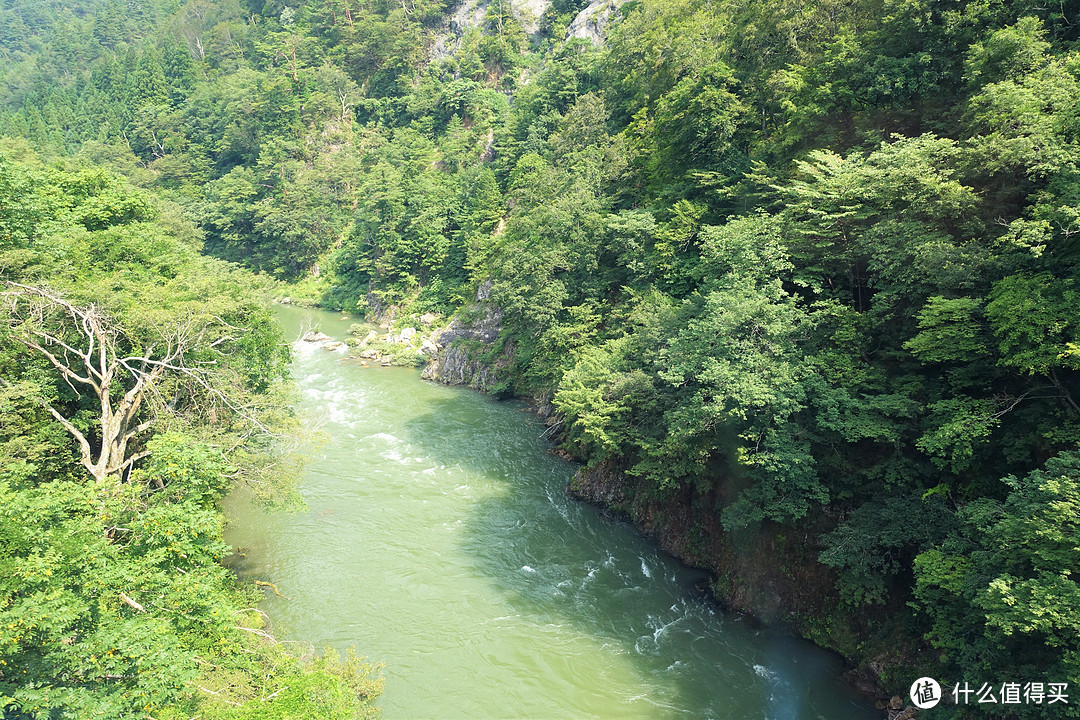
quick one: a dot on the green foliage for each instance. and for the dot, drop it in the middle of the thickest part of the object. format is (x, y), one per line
(955, 428)
(113, 599)
(876, 541)
(948, 331)
(1000, 590)
(1008, 53)
(1032, 317)
(806, 262)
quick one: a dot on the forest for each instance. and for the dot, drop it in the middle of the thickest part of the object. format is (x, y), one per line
(811, 264)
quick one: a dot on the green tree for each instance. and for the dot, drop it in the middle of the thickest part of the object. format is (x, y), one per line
(1001, 592)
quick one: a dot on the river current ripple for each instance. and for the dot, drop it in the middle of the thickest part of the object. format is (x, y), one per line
(439, 540)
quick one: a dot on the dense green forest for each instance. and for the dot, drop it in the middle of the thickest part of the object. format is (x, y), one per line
(139, 381)
(812, 263)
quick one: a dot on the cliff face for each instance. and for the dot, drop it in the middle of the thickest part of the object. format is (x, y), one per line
(770, 571)
(469, 14)
(591, 23)
(470, 353)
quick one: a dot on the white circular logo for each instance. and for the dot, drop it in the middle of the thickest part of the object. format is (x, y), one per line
(925, 693)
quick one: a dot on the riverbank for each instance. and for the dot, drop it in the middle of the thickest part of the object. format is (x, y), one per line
(438, 523)
(768, 571)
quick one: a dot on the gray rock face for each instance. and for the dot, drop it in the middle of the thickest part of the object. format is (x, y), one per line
(429, 348)
(591, 22)
(470, 14)
(384, 314)
(529, 12)
(464, 345)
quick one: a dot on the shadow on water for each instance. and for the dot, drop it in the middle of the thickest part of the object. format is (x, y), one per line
(560, 562)
(434, 512)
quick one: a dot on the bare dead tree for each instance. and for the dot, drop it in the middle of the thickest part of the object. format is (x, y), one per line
(87, 348)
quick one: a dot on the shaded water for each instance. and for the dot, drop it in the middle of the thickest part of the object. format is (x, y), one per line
(438, 539)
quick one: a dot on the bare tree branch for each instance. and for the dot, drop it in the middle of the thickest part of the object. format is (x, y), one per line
(125, 385)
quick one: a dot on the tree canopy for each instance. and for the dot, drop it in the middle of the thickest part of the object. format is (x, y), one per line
(814, 265)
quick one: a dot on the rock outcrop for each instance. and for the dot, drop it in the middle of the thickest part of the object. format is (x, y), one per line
(324, 341)
(470, 14)
(430, 348)
(591, 22)
(768, 571)
(469, 354)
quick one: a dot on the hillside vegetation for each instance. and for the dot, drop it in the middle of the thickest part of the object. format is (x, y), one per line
(140, 381)
(813, 264)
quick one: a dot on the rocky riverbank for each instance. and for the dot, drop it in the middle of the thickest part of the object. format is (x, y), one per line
(769, 572)
(470, 350)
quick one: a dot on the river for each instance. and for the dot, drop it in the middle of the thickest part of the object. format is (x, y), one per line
(438, 539)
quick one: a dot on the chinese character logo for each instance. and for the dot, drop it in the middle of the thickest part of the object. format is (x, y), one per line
(925, 693)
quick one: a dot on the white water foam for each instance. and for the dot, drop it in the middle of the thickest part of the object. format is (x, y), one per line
(764, 672)
(662, 627)
(333, 406)
(305, 348)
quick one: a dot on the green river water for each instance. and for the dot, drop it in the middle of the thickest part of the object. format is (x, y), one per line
(438, 539)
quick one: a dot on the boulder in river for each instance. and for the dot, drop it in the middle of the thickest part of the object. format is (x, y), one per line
(313, 336)
(369, 354)
(335, 345)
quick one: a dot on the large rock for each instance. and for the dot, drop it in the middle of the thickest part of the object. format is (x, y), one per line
(464, 347)
(591, 22)
(312, 336)
(484, 291)
(429, 348)
(407, 334)
(470, 14)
